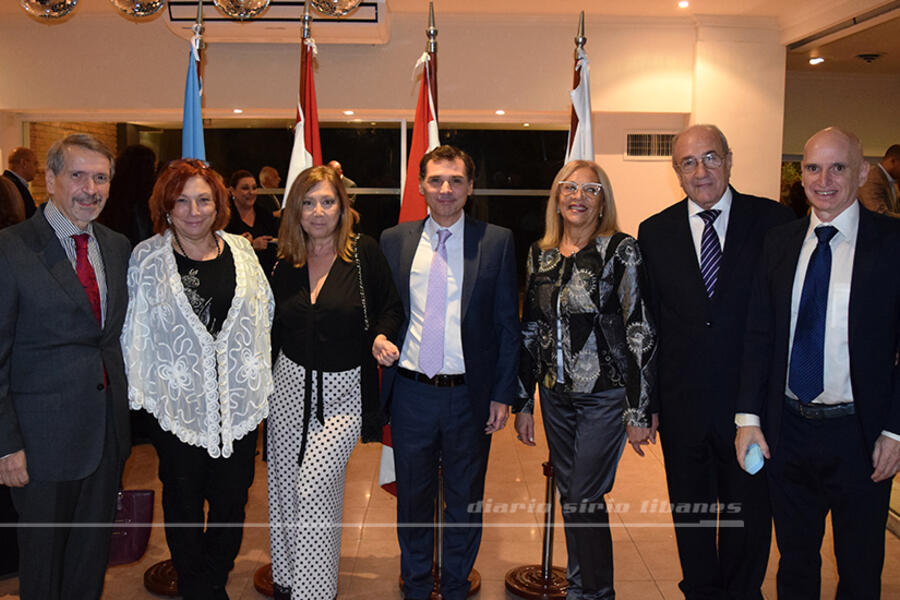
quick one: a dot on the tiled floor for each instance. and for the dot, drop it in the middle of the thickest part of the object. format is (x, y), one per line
(646, 561)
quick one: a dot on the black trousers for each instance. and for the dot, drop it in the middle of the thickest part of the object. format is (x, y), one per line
(586, 438)
(722, 517)
(203, 557)
(820, 466)
(57, 563)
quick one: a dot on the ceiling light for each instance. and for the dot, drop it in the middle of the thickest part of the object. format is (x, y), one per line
(816, 60)
(238, 111)
(348, 112)
(500, 112)
(683, 4)
(526, 124)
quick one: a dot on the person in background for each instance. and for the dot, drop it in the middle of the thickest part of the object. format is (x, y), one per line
(23, 167)
(879, 192)
(64, 432)
(348, 183)
(128, 208)
(198, 355)
(819, 386)
(700, 254)
(270, 179)
(588, 344)
(252, 221)
(336, 312)
(12, 210)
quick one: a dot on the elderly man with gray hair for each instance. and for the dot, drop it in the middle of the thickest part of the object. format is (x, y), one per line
(64, 426)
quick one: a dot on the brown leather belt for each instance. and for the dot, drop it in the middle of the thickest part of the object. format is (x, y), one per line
(436, 381)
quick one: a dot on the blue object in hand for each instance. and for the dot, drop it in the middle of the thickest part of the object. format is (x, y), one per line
(753, 460)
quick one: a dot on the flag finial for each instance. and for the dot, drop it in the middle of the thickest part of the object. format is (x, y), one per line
(580, 40)
(306, 20)
(198, 27)
(432, 30)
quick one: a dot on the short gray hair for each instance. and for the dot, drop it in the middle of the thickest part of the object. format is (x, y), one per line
(56, 159)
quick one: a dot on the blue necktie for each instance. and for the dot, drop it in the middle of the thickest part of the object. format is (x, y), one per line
(805, 376)
(710, 251)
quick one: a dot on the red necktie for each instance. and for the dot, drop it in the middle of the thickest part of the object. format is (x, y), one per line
(86, 274)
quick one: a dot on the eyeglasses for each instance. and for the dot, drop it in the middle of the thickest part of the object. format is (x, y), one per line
(590, 189)
(689, 164)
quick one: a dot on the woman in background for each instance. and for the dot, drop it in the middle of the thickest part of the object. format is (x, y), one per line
(197, 356)
(128, 208)
(588, 345)
(252, 221)
(336, 312)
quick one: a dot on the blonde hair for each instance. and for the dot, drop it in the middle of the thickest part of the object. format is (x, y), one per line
(553, 222)
(292, 239)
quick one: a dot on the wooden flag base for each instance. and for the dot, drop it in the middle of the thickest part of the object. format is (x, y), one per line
(162, 579)
(543, 581)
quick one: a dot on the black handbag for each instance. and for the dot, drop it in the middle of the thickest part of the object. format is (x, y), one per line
(131, 526)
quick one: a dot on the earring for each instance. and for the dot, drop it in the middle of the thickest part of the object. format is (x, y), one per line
(168, 218)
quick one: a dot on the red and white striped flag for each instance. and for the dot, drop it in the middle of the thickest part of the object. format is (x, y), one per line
(412, 208)
(580, 145)
(307, 150)
(424, 139)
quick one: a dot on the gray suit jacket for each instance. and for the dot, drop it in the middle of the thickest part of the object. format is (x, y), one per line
(53, 400)
(489, 316)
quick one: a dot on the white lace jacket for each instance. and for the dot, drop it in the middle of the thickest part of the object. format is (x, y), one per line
(207, 391)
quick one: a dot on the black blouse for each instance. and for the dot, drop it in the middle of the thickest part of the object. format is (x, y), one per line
(330, 335)
(209, 286)
(264, 224)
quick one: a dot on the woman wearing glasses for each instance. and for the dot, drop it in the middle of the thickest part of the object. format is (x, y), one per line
(198, 358)
(589, 347)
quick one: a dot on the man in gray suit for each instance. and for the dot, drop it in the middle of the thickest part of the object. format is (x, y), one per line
(63, 408)
(879, 192)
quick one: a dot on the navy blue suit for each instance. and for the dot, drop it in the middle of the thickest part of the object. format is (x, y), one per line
(432, 424)
(838, 452)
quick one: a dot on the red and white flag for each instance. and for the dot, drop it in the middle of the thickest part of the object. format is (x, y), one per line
(424, 139)
(580, 145)
(307, 150)
(412, 208)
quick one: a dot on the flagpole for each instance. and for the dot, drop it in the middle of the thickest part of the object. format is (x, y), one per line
(580, 41)
(432, 33)
(305, 35)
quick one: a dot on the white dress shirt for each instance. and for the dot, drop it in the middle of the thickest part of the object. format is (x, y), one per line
(720, 224)
(418, 291)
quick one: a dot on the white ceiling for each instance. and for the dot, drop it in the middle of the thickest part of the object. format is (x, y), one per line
(796, 20)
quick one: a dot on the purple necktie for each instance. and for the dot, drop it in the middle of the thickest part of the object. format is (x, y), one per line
(431, 350)
(710, 251)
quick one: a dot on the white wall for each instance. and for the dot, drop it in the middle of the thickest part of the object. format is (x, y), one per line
(646, 74)
(868, 105)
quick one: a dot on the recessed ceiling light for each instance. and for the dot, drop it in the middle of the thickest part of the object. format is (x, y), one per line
(348, 112)
(526, 124)
(816, 60)
(238, 111)
(500, 112)
(683, 4)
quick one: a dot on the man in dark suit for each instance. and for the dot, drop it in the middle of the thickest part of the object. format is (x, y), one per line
(456, 373)
(63, 408)
(23, 166)
(699, 255)
(821, 377)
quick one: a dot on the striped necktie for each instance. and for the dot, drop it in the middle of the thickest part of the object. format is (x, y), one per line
(710, 251)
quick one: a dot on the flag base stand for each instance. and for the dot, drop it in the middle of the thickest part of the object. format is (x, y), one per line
(437, 564)
(543, 581)
(263, 582)
(162, 579)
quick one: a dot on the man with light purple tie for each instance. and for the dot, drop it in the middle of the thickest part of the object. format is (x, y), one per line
(456, 374)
